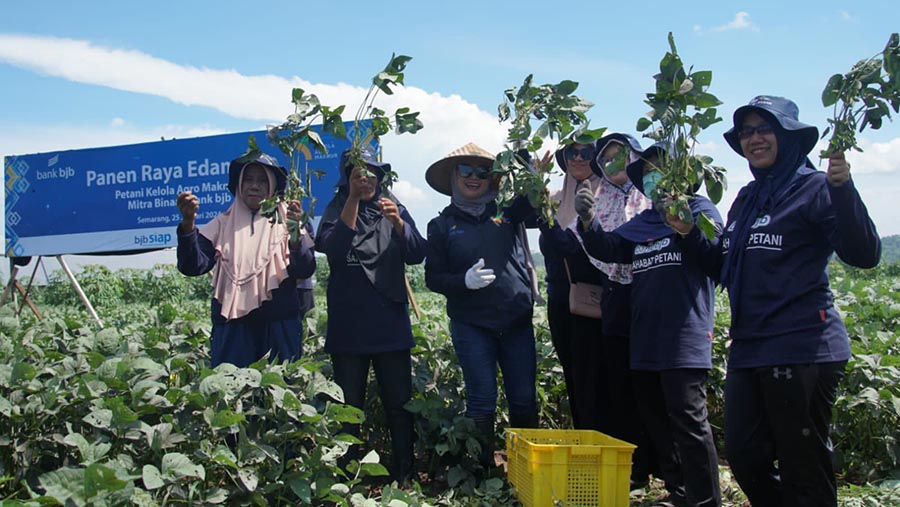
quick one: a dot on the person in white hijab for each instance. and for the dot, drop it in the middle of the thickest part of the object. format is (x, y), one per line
(255, 309)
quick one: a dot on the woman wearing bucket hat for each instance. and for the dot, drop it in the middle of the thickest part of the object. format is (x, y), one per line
(255, 309)
(617, 202)
(477, 260)
(670, 350)
(369, 238)
(577, 338)
(789, 345)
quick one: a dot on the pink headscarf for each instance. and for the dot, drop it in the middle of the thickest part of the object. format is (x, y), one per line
(252, 255)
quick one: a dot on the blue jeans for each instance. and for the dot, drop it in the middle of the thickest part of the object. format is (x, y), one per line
(479, 351)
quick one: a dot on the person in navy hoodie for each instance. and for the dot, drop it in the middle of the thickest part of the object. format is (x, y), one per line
(369, 238)
(789, 345)
(576, 338)
(477, 260)
(255, 309)
(672, 304)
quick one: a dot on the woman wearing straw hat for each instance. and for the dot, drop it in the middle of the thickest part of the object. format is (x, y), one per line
(789, 345)
(477, 260)
(255, 309)
(672, 304)
(369, 238)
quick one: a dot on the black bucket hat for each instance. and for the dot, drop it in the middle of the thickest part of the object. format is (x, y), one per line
(237, 165)
(603, 142)
(635, 170)
(368, 154)
(784, 111)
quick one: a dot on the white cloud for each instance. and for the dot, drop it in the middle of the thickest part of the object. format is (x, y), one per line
(450, 122)
(876, 157)
(846, 16)
(741, 21)
(408, 193)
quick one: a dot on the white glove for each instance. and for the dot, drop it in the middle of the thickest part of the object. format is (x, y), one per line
(584, 203)
(478, 278)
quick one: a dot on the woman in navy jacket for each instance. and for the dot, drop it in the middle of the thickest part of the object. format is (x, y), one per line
(477, 260)
(255, 309)
(369, 238)
(672, 305)
(789, 345)
(576, 338)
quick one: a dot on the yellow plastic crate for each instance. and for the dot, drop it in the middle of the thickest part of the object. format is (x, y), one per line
(578, 468)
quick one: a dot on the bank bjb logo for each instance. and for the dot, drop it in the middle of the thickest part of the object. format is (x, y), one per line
(152, 239)
(761, 222)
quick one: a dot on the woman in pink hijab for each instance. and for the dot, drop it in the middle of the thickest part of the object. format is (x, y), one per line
(255, 308)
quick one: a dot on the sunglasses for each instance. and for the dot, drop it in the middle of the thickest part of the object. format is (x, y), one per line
(585, 153)
(747, 131)
(480, 172)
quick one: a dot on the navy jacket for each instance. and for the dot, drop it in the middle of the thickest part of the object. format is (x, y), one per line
(785, 312)
(672, 299)
(196, 256)
(456, 241)
(361, 320)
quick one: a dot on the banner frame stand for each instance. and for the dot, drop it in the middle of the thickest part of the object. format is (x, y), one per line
(14, 283)
(79, 291)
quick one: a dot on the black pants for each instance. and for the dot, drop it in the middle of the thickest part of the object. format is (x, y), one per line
(624, 420)
(672, 404)
(782, 414)
(579, 345)
(393, 371)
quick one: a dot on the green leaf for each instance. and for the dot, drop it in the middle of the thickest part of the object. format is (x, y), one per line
(346, 414)
(566, 87)
(831, 93)
(398, 63)
(270, 378)
(374, 469)
(66, 485)
(702, 78)
(643, 124)
(316, 141)
(226, 418)
(707, 226)
(176, 464)
(121, 414)
(99, 478)
(100, 418)
(455, 476)
(297, 95)
(704, 99)
(22, 371)
(301, 488)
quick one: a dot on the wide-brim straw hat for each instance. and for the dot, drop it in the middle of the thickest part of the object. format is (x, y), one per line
(439, 173)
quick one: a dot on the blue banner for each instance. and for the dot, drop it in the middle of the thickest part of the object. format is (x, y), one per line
(122, 198)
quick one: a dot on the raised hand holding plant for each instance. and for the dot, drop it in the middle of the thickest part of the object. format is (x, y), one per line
(678, 93)
(561, 115)
(295, 136)
(862, 98)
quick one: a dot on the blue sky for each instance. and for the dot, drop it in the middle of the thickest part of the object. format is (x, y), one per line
(91, 73)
